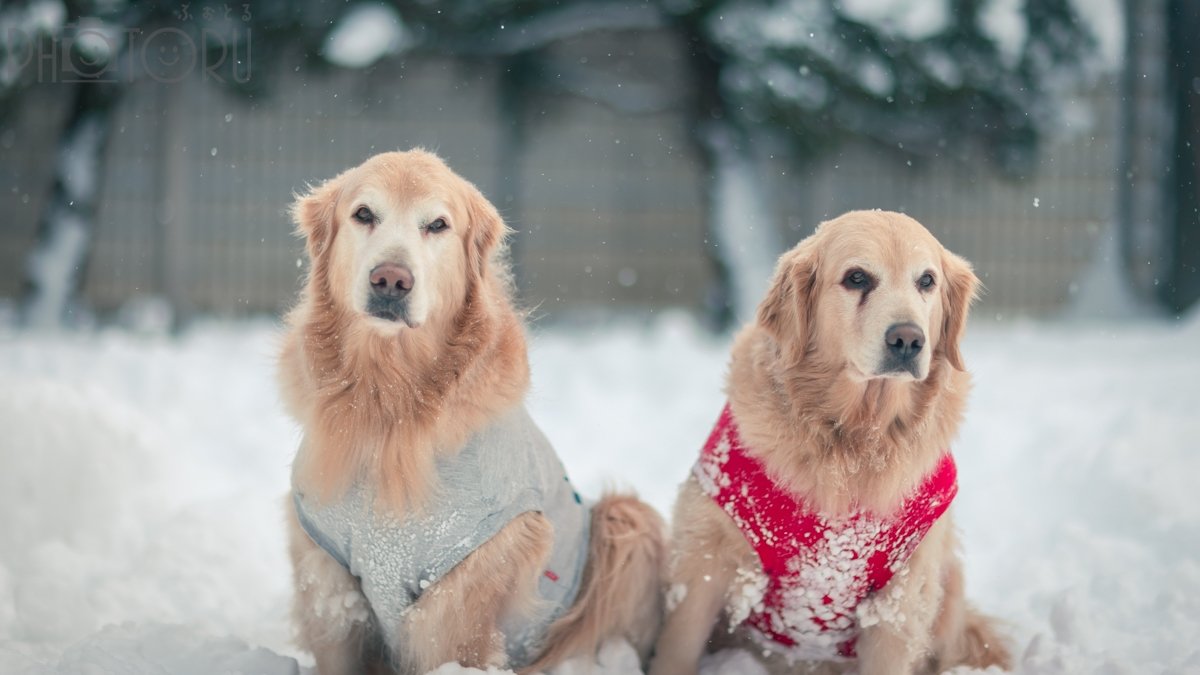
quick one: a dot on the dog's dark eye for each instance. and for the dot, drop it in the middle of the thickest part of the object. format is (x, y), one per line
(925, 282)
(857, 280)
(438, 225)
(364, 216)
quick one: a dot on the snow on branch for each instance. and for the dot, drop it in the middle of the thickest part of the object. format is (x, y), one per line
(21, 26)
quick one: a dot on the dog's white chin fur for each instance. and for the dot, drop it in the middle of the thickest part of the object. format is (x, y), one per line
(902, 375)
(382, 326)
(389, 327)
(861, 375)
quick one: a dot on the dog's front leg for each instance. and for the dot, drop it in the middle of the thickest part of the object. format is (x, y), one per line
(457, 619)
(330, 612)
(689, 625)
(897, 621)
(707, 550)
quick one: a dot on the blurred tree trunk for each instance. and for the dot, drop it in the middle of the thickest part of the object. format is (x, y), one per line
(1144, 165)
(57, 263)
(742, 232)
(741, 240)
(1183, 286)
(514, 93)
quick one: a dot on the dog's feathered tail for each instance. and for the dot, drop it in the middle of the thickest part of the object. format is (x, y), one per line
(980, 644)
(983, 644)
(626, 552)
(964, 635)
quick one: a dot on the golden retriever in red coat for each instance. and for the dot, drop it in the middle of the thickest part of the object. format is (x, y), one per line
(847, 391)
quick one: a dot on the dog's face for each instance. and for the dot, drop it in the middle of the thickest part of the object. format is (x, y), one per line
(399, 238)
(874, 292)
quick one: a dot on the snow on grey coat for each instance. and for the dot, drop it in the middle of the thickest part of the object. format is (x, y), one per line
(504, 470)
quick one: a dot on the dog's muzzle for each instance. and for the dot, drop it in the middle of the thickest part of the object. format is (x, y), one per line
(388, 299)
(904, 342)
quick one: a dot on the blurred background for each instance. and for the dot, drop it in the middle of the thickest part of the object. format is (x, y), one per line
(650, 154)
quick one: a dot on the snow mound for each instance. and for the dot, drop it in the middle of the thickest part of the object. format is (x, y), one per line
(70, 454)
(618, 657)
(112, 513)
(731, 662)
(142, 482)
(130, 649)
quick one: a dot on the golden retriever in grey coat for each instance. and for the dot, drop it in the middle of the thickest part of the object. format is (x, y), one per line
(403, 351)
(844, 396)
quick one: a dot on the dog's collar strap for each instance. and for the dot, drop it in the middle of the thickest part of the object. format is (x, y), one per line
(818, 569)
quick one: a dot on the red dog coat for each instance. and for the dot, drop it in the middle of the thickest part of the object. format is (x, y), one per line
(818, 569)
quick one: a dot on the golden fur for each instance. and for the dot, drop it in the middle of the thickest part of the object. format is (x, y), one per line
(379, 399)
(834, 426)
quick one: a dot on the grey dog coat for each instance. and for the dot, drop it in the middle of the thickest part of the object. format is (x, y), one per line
(504, 470)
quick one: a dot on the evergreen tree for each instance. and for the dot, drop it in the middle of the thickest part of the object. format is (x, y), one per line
(915, 77)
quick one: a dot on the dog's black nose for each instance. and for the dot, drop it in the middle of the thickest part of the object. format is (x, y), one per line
(904, 340)
(390, 280)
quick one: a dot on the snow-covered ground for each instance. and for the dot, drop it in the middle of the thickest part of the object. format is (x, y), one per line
(141, 486)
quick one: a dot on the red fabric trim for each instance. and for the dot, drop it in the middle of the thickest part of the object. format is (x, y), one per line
(818, 569)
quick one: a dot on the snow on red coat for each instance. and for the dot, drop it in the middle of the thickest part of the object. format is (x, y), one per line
(818, 569)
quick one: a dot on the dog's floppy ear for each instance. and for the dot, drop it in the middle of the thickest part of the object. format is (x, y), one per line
(786, 312)
(959, 289)
(314, 218)
(485, 231)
